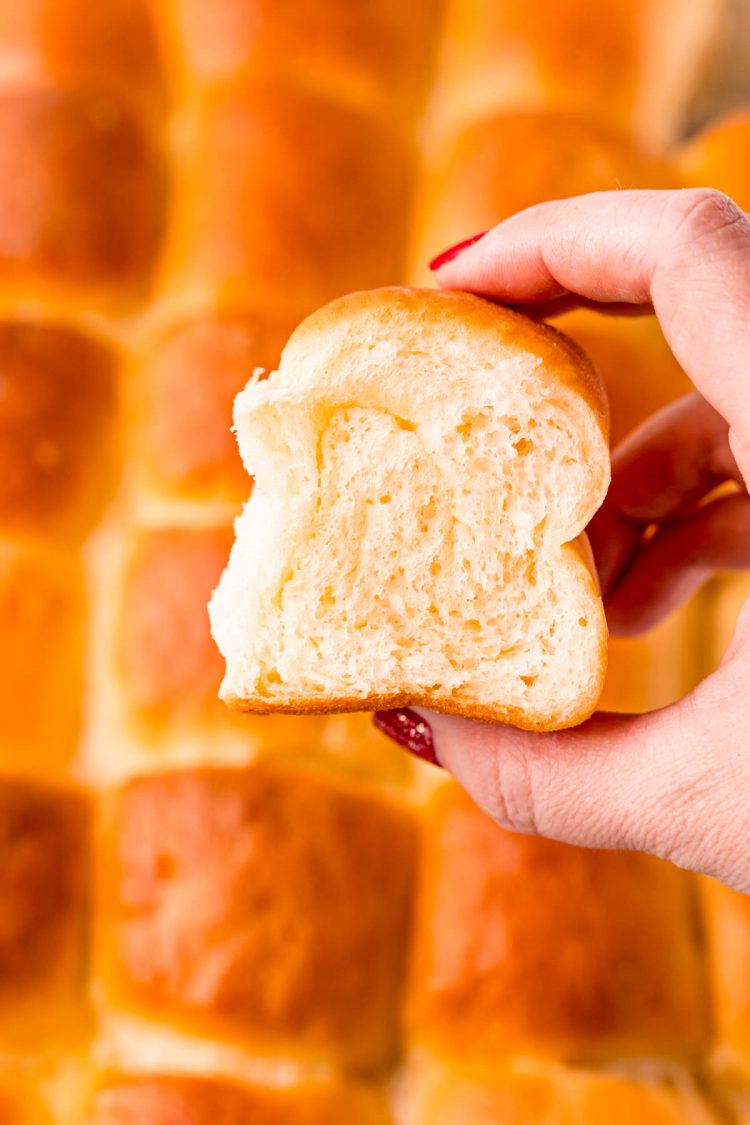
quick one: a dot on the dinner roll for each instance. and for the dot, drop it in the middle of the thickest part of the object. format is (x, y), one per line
(168, 666)
(251, 906)
(56, 385)
(108, 47)
(89, 231)
(44, 897)
(183, 383)
(374, 53)
(159, 667)
(524, 945)
(633, 63)
(286, 199)
(423, 463)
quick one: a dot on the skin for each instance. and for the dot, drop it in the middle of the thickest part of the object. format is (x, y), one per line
(675, 782)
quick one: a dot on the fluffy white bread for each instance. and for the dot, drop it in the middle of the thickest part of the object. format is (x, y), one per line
(424, 463)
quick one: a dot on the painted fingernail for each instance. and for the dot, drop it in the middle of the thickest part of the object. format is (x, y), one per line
(409, 730)
(453, 251)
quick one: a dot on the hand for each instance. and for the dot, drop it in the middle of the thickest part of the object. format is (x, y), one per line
(675, 782)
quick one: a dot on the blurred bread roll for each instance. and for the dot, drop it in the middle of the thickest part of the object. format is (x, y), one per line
(626, 977)
(44, 896)
(376, 54)
(248, 905)
(183, 383)
(633, 63)
(56, 386)
(82, 199)
(108, 47)
(285, 200)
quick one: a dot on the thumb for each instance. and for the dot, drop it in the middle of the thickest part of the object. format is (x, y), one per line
(673, 782)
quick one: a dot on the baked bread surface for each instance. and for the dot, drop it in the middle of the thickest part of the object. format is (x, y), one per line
(425, 463)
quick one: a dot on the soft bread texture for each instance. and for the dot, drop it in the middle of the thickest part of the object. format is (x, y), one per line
(423, 462)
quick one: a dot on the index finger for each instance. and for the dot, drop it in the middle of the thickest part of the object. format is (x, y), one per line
(685, 252)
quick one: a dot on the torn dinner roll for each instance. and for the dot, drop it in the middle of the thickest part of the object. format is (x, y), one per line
(425, 463)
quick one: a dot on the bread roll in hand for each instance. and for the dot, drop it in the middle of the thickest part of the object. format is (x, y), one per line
(425, 463)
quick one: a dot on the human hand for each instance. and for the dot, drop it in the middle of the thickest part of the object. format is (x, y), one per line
(675, 782)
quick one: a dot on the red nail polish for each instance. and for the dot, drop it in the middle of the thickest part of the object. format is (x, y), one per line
(453, 251)
(409, 730)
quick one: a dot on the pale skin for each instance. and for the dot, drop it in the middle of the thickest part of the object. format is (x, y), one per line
(675, 782)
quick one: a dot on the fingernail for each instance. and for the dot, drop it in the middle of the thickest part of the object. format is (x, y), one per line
(409, 730)
(453, 251)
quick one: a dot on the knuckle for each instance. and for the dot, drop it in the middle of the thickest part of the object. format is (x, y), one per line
(513, 798)
(698, 213)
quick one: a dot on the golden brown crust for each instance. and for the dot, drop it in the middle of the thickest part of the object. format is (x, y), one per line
(185, 383)
(91, 226)
(44, 842)
(273, 168)
(173, 1100)
(524, 945)
(42, 622)
(512, 716)
(249, 905)
(58, 402)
